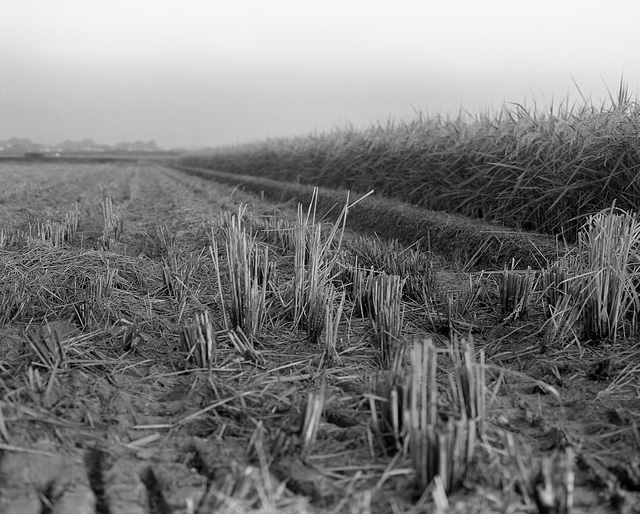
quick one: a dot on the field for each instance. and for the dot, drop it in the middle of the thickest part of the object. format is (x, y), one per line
(169, 343)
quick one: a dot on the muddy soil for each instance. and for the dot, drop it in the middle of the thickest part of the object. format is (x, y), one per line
(110, 417)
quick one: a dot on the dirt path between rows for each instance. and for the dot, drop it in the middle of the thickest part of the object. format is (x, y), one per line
(100, 412)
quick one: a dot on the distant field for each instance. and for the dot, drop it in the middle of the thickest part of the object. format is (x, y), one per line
(538, 171)
(88, 157)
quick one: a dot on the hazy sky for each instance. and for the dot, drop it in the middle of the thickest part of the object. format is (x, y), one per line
(214, 72)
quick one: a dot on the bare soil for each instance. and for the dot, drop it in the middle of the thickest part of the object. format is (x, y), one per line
(120, 423)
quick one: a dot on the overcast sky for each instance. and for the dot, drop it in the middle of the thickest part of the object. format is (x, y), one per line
(214, 72)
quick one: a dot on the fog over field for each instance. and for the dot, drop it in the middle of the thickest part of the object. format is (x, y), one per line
(209, 73)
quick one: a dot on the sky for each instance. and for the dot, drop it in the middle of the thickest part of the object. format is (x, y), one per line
(194, 73)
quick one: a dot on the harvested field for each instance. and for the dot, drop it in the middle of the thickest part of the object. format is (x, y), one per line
(140, 373)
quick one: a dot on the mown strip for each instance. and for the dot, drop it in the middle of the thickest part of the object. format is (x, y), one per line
(454, 237)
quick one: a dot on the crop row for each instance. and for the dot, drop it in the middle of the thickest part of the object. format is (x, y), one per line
(538, 171)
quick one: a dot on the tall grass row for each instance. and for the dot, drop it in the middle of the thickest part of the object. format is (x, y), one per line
(539, 170)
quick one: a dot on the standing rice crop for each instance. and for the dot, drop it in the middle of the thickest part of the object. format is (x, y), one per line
(538, 168)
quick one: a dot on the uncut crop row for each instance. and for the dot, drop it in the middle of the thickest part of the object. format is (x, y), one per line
(536, 171)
